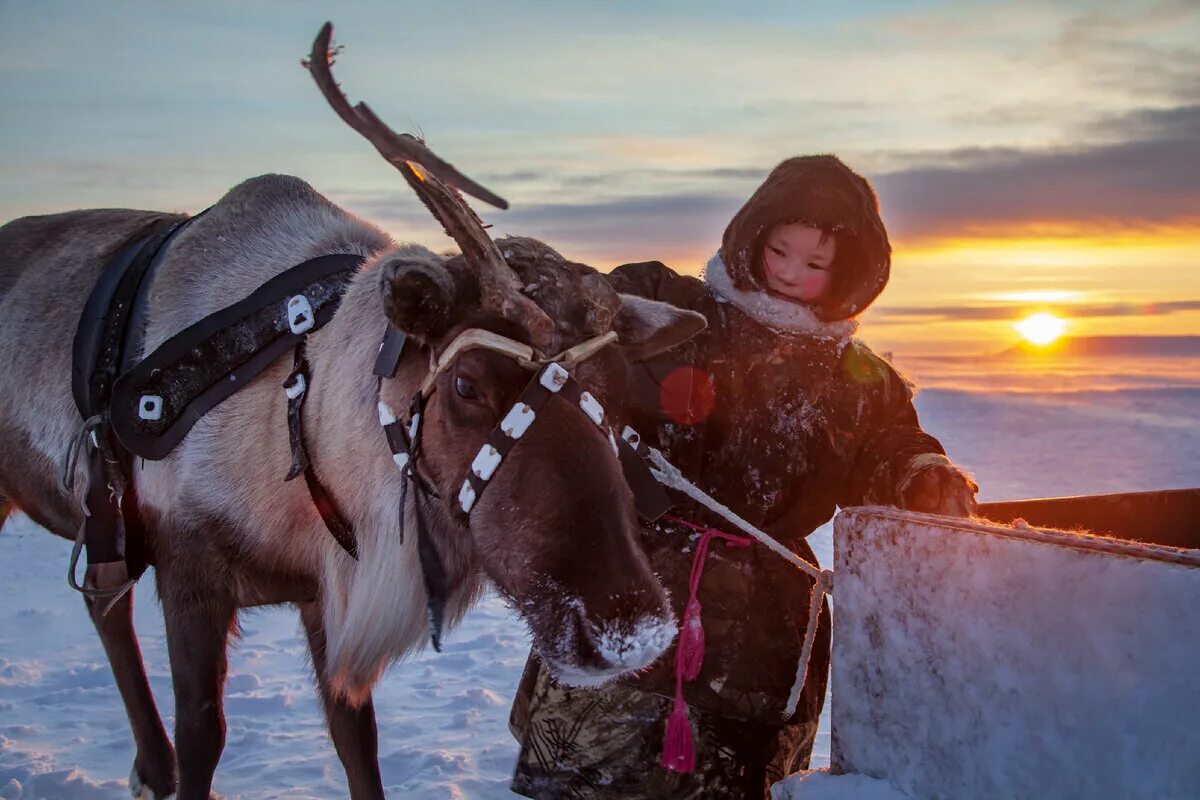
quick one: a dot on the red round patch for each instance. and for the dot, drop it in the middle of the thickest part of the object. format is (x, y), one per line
(688, 395)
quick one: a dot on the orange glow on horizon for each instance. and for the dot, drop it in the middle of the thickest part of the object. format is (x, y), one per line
(1056, 268)
(1041, 296)
(1055, 235)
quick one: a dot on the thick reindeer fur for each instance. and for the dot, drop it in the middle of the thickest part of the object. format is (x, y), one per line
(574, 295)
(47, 267)
(373, 609)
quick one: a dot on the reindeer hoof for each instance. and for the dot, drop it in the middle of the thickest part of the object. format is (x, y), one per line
(140, 791)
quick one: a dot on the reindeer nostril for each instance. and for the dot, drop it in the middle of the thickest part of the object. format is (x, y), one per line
(593, 648)
(625, 642)
(585, 637)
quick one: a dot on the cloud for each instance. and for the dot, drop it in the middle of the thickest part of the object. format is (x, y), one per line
(1149, 47)
(1141, 50)
(621, 129)
(1151, 178)
(992, 312)
(605, 233)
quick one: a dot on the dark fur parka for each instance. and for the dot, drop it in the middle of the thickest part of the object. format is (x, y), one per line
(783, 424)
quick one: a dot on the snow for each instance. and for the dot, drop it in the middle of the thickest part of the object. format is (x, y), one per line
(63, 734)
(443, 718)
(621, 649)
(819, 784)
(961, 650)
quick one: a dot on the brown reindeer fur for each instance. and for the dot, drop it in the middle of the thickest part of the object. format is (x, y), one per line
(47, 267)
(223, 257)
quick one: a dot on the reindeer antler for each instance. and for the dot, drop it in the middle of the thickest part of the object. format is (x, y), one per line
(433, 180)
(400, 149)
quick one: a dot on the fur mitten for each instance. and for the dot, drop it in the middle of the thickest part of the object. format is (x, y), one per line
(935, 486)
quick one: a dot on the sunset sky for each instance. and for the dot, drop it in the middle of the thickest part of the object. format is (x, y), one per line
(1028, 156)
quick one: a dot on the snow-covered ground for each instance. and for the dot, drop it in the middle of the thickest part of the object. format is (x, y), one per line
(820, 785)
(443, 731)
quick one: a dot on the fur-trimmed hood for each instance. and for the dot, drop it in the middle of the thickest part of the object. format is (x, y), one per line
(771, 311)
(823, 192)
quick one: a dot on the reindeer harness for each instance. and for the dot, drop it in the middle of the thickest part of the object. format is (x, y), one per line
(146, 408)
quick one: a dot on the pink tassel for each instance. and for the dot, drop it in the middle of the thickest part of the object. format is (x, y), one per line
(690, 653)
(679, 752)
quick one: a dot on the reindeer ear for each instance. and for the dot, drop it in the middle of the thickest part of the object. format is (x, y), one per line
(648, 327)
(421, 296)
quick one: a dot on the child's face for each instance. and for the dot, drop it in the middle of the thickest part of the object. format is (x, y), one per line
(797, 262)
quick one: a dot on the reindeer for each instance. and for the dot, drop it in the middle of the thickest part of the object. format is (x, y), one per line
(555, 532)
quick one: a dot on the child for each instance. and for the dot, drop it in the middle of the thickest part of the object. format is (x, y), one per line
(777, 413)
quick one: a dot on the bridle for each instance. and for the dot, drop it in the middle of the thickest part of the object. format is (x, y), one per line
(551, 377)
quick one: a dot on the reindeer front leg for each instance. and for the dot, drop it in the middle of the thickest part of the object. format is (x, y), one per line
(199, 617)
(352, 729)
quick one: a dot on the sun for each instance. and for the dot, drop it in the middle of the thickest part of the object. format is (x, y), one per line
(1041, 328)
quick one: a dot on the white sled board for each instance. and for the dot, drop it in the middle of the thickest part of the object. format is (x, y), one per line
(972, 660)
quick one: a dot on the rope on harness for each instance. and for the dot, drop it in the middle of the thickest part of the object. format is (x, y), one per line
(821, 587)
(79, 444)
(668, 475)
(678, 750)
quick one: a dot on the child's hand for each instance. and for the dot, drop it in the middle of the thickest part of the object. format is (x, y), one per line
(933, 485)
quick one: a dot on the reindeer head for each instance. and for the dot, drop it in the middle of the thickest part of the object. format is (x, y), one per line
(556, 529)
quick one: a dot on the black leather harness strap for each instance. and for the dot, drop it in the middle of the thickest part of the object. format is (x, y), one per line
(650, 499)
(144, 409)
(296, 388)
(404, 441)
(101, 345)
(157, 402)
(101, 335)
(649, 495)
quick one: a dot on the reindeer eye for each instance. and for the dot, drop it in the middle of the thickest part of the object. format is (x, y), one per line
(465, 389)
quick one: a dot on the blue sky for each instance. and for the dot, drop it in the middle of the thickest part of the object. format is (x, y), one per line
(626, 131)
